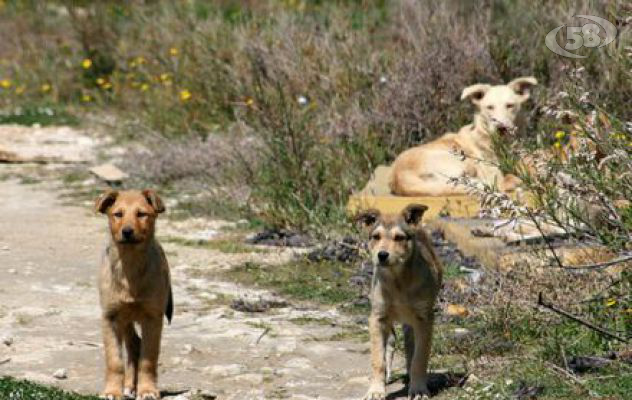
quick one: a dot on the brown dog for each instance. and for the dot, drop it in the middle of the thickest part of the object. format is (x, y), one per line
(407, 278)
(134, 287)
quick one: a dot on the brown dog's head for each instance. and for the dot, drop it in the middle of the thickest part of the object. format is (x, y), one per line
(132, 214)
(392, 237)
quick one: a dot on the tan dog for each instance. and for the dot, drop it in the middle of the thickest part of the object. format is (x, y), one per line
(407, 278)
(134, 287)
(425, 170)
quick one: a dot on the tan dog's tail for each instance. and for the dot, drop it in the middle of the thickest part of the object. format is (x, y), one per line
(169, 308)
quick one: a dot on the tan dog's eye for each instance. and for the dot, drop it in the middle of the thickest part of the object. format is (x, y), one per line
(490, 107)
(375, 236)
(141, 214)
(400, 238)
(118, 214)
(510, 105)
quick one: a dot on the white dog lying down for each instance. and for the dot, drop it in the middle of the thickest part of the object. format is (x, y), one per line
(425, 170)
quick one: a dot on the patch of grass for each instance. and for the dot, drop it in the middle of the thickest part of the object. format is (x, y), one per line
(312, 321)
(228, 246)
(30, 115)
(14, 389)
(324, 283)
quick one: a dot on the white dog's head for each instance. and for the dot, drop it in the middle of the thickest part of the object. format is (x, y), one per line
(498, 105)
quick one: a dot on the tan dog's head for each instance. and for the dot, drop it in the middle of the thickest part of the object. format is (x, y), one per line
(498, 105)
(131, 214)
(392, 237)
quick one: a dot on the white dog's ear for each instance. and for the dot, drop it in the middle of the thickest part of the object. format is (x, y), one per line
(523, 85)
(475, 92)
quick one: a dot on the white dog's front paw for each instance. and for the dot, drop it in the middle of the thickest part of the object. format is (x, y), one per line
(376, 392)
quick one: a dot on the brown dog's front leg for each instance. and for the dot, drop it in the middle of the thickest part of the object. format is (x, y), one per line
(148, 363)
(379, 331)
(132, 346)
(112, 342)
(419, 365)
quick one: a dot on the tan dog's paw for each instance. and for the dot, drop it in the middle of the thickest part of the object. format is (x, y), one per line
(418, 392)
(376, 392)
(148, 395)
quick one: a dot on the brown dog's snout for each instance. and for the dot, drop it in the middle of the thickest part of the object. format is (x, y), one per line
(382, 256)
(127, 233)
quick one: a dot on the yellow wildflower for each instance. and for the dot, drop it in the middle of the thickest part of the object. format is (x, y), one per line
(86, 98)
(45, 88)
(611, 302)
(86, 63)
(100, 81)
(185, 95)
(559, 135)
(140, 60)
(174, 52)
(5, 83)
(144, 87)
(107, 85)
(20, 89)
(250, 102)
(557, 145)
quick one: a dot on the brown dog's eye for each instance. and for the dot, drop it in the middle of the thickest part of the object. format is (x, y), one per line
(399, 238)
(141, 214)
(510, 105)
(375, 236)
(118, 214)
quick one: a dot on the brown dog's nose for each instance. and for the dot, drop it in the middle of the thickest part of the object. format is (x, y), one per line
(127, 233)
(382, 256)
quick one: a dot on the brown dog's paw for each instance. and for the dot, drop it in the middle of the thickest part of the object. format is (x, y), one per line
(129, 393)
(111, 396)
(148, 395)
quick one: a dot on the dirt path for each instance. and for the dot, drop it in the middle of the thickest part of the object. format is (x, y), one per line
(49, 253)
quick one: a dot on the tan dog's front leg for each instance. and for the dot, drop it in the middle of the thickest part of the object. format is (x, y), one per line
(148, 363)
(112, 343)
(379, 330)
(132, 346)
(418, 386)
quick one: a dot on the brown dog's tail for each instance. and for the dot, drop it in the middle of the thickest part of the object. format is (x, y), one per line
(169, 308)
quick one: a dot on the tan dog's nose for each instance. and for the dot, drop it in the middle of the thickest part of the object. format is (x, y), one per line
(382, 256)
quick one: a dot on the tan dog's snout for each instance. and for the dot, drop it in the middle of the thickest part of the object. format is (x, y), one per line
(391, 237)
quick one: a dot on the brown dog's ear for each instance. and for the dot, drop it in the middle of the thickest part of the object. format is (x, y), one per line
(413, 214)
(105, 201)
(367, 218)
(522, 85)
(475, 92)
(154, 200)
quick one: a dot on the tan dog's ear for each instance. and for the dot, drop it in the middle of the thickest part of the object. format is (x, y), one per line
(475, 92)
(367, 218)
(522, 85)
(105, 201)
(154, 200)
(413, 214)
